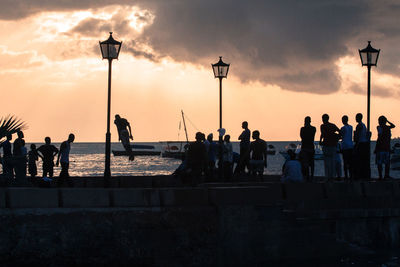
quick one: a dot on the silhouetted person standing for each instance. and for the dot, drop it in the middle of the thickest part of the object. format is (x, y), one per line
(382, 148)
(18, 144)
(124, 135)
(361, 150)
(63, 157)
(347, 147)
(329, 139)
(307, 152)
(244, 138)
(196, 158)
(48, 152)
(7, 165)
(19, 156)
(258, 151)
(227, 158)
(33, 156)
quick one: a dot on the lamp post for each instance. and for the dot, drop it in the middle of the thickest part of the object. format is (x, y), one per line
(369, 57)
(109, 50)
(220, 70)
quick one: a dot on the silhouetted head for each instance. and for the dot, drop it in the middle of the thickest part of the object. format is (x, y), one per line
(307, 121)
(20, 134)
(256, 134)
(210, 137)
(47, 140)
(9, 137)
(227, 138)
(71, 138)
(345, 119)
(291, 154)
(359, 117)
(33, 146)
(245, 125)
(325, 118)
(117, 117)
(382, 120)
(199, 136)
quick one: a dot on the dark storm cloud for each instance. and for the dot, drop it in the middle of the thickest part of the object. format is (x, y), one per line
(290, 43)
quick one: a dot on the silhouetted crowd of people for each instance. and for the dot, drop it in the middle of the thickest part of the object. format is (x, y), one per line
(211, 161)
(354, 147)
(17, 161)
(343, 151)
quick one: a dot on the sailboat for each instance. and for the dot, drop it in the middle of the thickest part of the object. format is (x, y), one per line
(175, 149)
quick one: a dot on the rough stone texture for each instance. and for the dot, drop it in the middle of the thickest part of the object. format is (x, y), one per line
(381, 189)
(132, 197)
(267, 195)
(184, 197)
(205, 226)
(134, 237)
(304, 191)
(85, 197)
(32, 198)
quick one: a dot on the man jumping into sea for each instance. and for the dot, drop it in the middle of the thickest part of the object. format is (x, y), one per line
(124, 135)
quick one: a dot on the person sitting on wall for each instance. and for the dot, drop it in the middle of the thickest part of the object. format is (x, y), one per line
(291, 171)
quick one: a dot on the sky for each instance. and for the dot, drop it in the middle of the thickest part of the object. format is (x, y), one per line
(289, 59)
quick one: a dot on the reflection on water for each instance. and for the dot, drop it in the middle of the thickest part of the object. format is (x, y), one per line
(93, 165)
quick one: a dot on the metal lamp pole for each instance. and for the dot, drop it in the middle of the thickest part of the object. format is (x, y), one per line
(220, 70)
(110, 50)
(369, 57)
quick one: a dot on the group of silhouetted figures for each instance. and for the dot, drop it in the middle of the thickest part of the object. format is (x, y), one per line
(201, 157)
(211, 161)
(354, 146)
(17, 160)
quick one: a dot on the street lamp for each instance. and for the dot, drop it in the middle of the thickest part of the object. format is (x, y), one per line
(109, 50)
(220, 70)
(369, 57)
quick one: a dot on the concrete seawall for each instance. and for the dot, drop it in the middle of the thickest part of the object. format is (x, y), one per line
(213, 224)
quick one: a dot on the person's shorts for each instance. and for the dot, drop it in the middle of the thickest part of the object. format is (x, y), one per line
(382, 157)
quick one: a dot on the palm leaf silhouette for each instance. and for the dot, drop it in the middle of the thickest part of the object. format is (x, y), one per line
(10, 125)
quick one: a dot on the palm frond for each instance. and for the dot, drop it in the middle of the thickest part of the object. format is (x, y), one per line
(10, 125)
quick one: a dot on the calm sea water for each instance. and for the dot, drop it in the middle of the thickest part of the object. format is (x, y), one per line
(87, 159)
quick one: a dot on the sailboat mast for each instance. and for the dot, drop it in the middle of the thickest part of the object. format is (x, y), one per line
(184, 126)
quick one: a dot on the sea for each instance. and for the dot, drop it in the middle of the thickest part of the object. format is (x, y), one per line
(87, 159)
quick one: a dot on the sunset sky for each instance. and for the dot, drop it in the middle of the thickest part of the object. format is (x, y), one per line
(289, 59)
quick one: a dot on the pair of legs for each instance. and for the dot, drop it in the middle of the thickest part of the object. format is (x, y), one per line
(64, 175)
(244, 159)
(348, 163)
(124, 137)
(383, 157)
(48, 168)
(307, 164)
(329, 161)
(362, 164)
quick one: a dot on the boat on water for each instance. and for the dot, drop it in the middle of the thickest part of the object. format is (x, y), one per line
(296, 148)
(173, 149)
(139, 150)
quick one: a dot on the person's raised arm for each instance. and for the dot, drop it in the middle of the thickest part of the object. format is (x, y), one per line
(391, 125)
